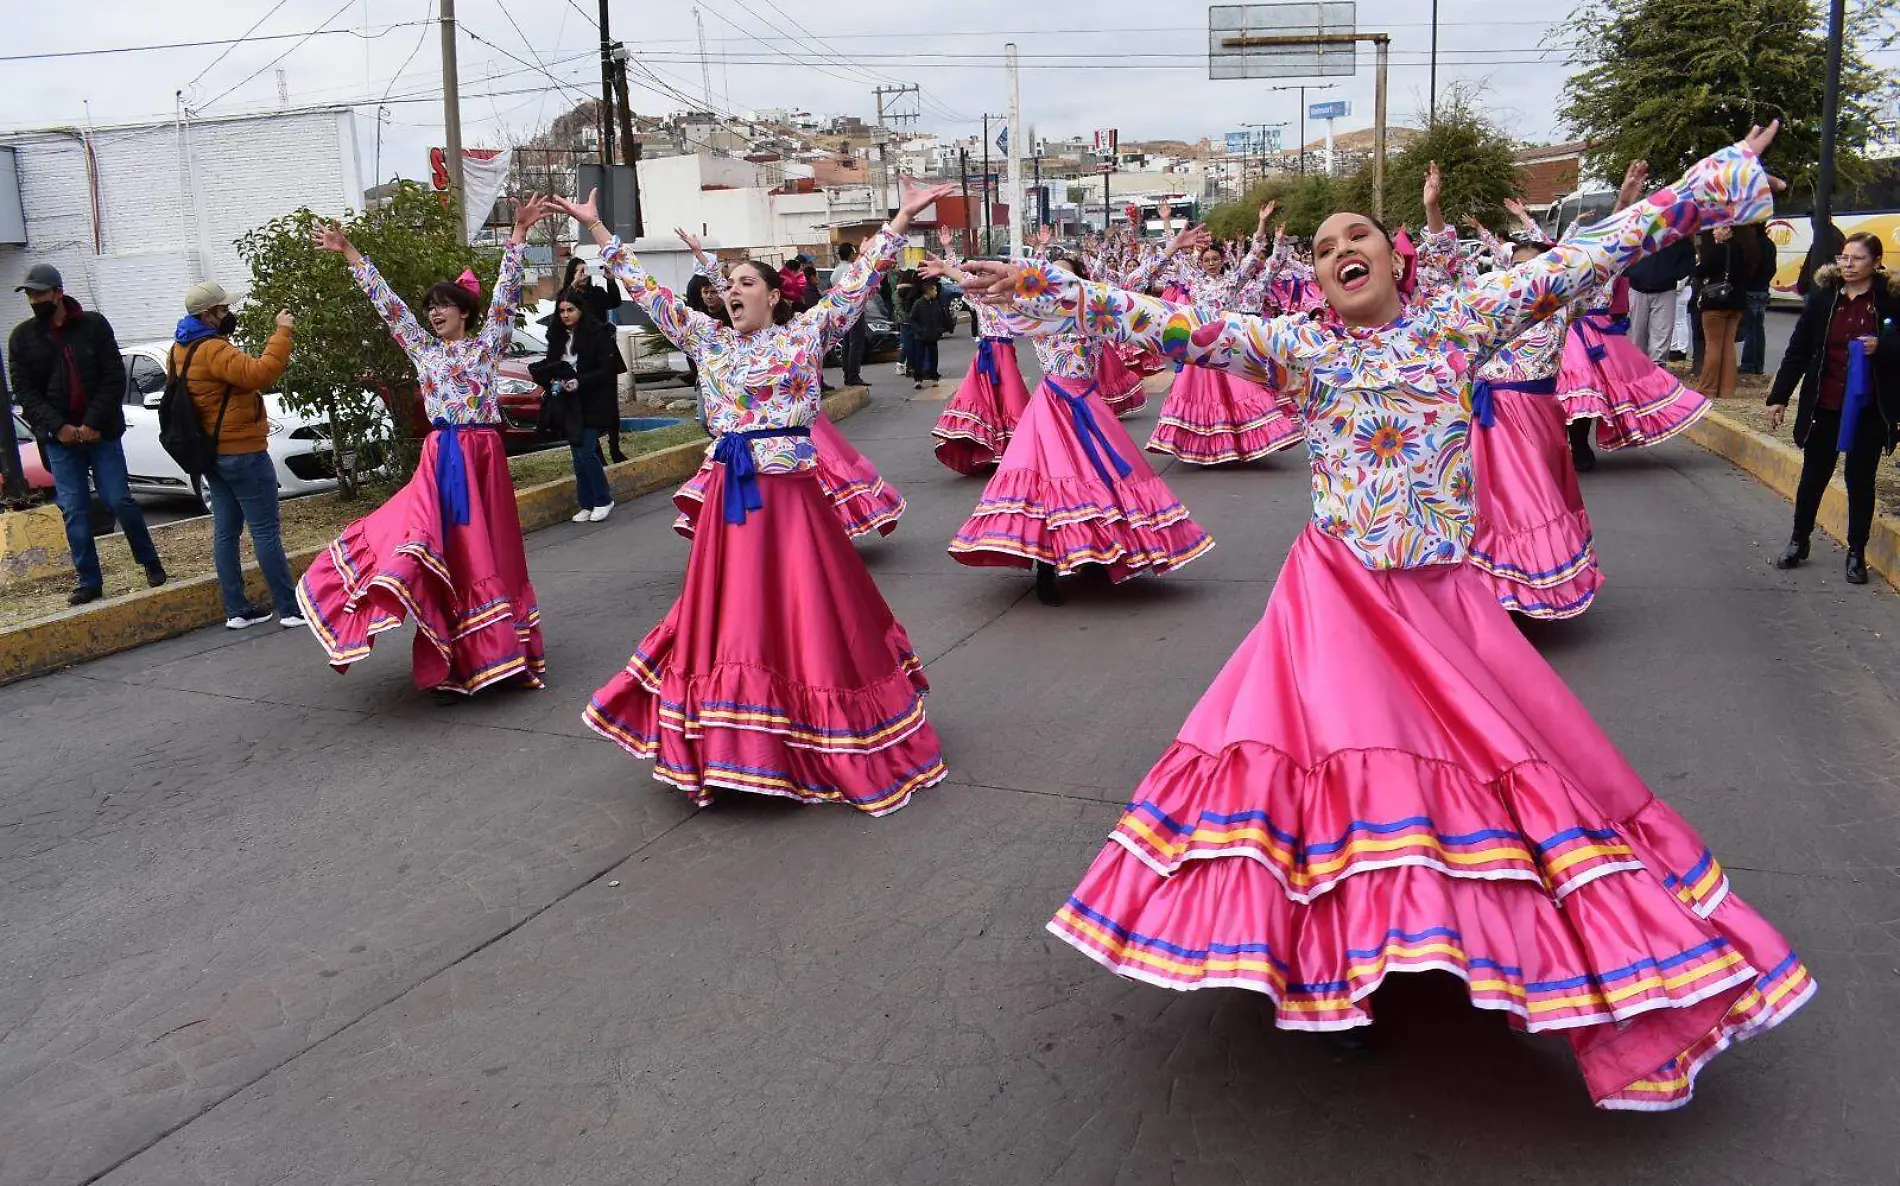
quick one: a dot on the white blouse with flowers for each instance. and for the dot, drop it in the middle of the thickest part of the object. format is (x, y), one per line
(1388, 410)
(767, 379)
(457, 379)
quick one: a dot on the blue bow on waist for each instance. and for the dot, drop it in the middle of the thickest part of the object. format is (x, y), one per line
(1094, 441)
(1484, 406)
(986, 362)
(734, 451)
(451, 469)
(1859, 389)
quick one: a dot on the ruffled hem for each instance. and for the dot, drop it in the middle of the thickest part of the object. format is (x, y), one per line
(1637, 421)
(863, 505)
(1382, 862)
(1070, 523)
(1222, 442)
(745, 728)
(1547, 571)
(967, 442)
(348, 597)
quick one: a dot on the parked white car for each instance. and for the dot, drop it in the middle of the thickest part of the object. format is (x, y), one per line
(299, 445)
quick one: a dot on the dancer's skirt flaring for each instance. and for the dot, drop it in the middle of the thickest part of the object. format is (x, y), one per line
(863, 501)
(1531, 536)
(1214, 418)
(1386, 777)
(1604, 377)
(977, 423)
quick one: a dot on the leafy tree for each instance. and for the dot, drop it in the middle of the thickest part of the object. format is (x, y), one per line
(1669, 81)
(345, 366)
(1474, 155)
(1305, 202)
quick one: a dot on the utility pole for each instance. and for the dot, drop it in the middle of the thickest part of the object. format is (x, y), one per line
(606, 89)
(452, 103)
(963, 170)
(1384, 44)
(1303, 88)
(1257, 138)
(986, 181)
(1823, 216)
(629, 145)
(1433, 119)
(1014, 129)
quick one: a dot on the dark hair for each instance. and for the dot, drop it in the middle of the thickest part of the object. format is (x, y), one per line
(448, 292)
(783, 311)
(558, 332)
(847, 251)
(1075, 265)
(1866, 239)
(574, 264)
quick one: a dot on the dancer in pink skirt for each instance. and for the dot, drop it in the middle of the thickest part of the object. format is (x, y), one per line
(1530, 534)
(980, 418)
(446, 550)
(1386, 776)
(863, 500)
(780, 670)
(1071, 489)
(1211, 417)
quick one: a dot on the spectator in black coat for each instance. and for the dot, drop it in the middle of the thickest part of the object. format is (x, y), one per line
(581, 378)
(1760, 288)
(930, 321)
(599, 299)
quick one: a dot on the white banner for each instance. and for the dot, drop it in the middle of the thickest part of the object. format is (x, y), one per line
(482, 180)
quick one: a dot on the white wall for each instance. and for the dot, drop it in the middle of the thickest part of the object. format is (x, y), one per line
(162, 226)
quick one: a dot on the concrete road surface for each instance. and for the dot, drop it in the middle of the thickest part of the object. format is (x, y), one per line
(261, 924)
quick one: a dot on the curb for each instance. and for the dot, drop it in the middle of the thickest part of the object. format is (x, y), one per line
(1777, 465)
(181, 606)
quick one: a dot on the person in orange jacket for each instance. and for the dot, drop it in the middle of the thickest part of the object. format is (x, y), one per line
(227, 385)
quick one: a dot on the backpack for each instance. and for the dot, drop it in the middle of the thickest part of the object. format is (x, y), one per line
(180, 433)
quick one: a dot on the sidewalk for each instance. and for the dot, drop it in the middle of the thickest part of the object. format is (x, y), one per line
(265, 924)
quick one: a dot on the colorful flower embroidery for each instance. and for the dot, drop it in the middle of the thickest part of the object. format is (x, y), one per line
(1386, 442)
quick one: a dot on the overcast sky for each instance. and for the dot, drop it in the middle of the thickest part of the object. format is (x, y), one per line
(1086, 63)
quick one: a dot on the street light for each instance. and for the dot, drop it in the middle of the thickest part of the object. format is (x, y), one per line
(1303, 88)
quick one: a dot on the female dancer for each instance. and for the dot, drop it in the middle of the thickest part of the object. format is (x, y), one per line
(864, 502)
(1604, 376)
(1121, 387)
(1386, 776)
(447, 549)
(780, 670)
(1071, 489)
(1211, 417)
(580, 374)
(980, 418)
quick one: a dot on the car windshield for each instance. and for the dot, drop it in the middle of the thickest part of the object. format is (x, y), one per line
(528, 339)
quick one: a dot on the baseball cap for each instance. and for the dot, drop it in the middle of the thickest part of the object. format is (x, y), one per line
(42, 278)
(206, 294)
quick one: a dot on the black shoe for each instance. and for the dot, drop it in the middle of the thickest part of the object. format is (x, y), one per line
(444, 698)
(1585, 459)
(1792, 555)
(155, 574)
(1677, 356)
(1856, 569)
(84, 594)
(619, 457)
(855, 381)
(1046, 591)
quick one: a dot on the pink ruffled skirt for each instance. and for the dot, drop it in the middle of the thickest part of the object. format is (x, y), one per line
(1386, 777)
(1060, 496)
(465, 585)
(1605, 378)
(780, 670)
(863, 501)
(1212, 417)
(977, 422)
(1531, 535)
(1121, 388)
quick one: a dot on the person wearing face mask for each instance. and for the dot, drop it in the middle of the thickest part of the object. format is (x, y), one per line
(780, 670)
(446, 549)
(1852, 308)
(226, 388)
(69, 381)
(1387, 776)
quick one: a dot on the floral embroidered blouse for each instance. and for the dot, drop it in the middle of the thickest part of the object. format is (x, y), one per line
(768, 379)
(1203, 290)
(1388, 409)
(457, 379)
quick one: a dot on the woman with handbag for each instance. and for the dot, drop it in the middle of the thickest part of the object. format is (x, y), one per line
(579, 375)
(1727, 261)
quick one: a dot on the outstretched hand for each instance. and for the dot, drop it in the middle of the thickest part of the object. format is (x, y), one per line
(1516, 208)
(584, 213)
(1434, 185)
(923, 198)
(530, 210)
(1760, 138)
(945, 237)
(935, 268)
(692, 242)
(330, 237)
(990, 280)
(1045, 235)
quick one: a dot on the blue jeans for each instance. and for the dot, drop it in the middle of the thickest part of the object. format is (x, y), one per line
(78, 468)
(244, 494)
(590, 475)
(926, 353)
(907, 349)
(1755, 334)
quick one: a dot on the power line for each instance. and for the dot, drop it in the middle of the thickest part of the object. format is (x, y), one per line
(51, 55)
(227, 49)
(345, 7)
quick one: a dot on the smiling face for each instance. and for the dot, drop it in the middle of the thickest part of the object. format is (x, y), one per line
(448, 322)
(1357, 270)
(752, 301)
(1212, 261)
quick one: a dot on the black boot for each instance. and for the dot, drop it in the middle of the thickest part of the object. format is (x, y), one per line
(1046, 591)
(1856, 567)
(1794, 553)
(1352, 1043)
(1581, 454)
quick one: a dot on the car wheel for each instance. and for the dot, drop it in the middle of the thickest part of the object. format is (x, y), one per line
(201, 492)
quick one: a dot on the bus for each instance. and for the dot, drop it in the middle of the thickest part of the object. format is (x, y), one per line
(1873, 206)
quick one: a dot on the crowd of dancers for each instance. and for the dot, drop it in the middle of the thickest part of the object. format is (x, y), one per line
(1384, 777)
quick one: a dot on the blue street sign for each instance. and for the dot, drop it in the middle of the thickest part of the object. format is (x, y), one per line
(1002, 138)
(1338, 109)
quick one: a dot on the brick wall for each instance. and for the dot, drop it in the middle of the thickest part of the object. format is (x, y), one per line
(163, 227)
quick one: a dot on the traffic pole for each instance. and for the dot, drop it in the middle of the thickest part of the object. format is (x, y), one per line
(1823, 217)
(451, 104)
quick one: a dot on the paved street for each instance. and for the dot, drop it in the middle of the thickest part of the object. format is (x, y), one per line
(262, 924)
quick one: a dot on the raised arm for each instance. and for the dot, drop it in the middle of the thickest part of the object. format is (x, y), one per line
(686, 328)
(1523, 215)
(1729, 187)
(402, 324)
(852, 285)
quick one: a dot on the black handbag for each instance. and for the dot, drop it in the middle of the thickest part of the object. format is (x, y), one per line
(1724, 295)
